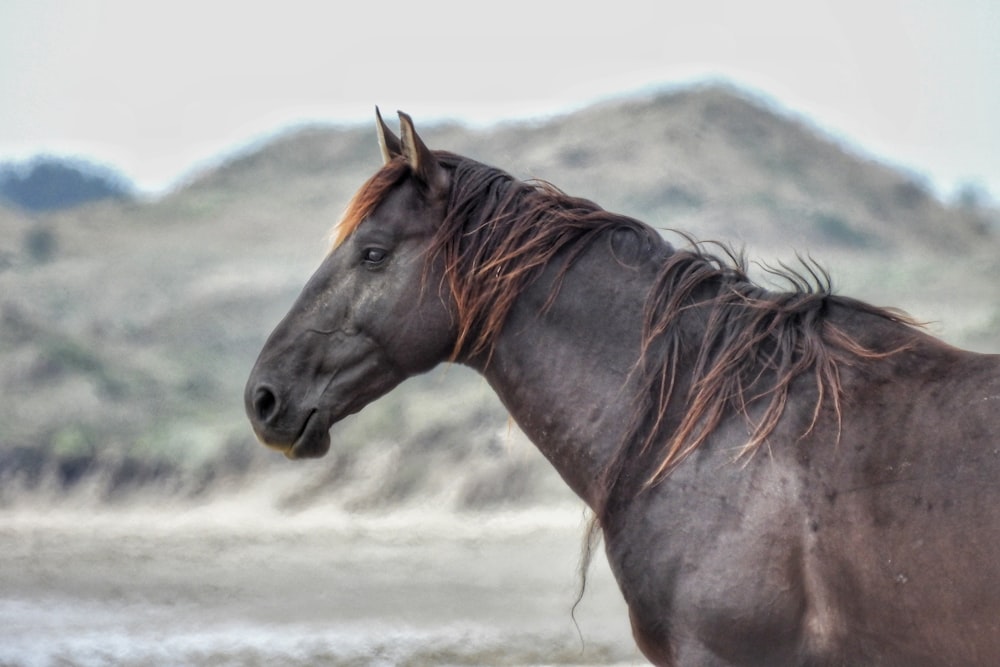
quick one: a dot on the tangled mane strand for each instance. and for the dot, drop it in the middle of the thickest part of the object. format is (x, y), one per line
(498, 234)
(754, 345)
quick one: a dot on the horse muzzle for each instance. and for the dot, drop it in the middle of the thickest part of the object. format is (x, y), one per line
(277, 427)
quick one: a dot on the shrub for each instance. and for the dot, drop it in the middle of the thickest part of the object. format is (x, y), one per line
(40, 244)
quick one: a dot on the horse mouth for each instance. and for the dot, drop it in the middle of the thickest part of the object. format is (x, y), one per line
(312, 442)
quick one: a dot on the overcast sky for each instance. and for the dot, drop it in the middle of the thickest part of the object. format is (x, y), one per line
(156, 88)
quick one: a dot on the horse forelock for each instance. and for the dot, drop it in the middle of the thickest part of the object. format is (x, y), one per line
(367, 198)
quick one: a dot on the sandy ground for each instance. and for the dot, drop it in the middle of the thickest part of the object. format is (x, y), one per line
(233, 582)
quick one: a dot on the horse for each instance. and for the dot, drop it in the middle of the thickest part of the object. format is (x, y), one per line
(779, 476)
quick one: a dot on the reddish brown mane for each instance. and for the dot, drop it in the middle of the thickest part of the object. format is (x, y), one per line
(499, 233)
(498, 236)
(755, 344)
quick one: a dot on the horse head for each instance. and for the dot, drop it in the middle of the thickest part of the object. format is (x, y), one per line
(374, 312)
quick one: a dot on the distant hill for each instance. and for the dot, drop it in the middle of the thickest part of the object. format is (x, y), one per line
(123, 354)
(713, 161)
(48, 183)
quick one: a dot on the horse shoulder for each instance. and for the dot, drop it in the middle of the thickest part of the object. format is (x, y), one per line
(711, 560)
(809, 550)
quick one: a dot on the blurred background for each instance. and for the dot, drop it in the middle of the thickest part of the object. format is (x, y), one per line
(169, 176)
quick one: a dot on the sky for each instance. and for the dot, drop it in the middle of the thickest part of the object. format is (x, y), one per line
(157, 89)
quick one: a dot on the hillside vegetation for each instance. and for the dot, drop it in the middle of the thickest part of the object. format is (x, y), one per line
(127, 328)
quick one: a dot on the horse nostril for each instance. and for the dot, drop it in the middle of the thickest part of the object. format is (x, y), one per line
(265, 404)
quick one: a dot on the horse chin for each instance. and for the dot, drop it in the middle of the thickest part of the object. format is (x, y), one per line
(313, 442)
(312, 449)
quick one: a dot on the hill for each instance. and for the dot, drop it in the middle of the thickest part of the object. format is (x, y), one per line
(125, 344)
(48, 183)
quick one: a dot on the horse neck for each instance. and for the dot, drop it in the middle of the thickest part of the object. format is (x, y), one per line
(564, 368)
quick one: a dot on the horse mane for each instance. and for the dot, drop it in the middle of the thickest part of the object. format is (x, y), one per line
(499, 233)
(753, 344)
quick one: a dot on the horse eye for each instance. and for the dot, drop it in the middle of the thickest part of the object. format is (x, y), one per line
(373, 256)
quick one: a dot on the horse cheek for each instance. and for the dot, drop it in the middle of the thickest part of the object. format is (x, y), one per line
(420, 331)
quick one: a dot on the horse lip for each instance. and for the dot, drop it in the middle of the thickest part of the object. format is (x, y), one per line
(313, 440)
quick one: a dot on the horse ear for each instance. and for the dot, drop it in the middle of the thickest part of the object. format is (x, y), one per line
(388, 142)
(420, 158)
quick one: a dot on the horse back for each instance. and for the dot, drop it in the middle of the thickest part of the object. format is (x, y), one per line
(904, 508)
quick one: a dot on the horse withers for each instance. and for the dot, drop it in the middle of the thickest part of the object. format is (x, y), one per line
(780, 478)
